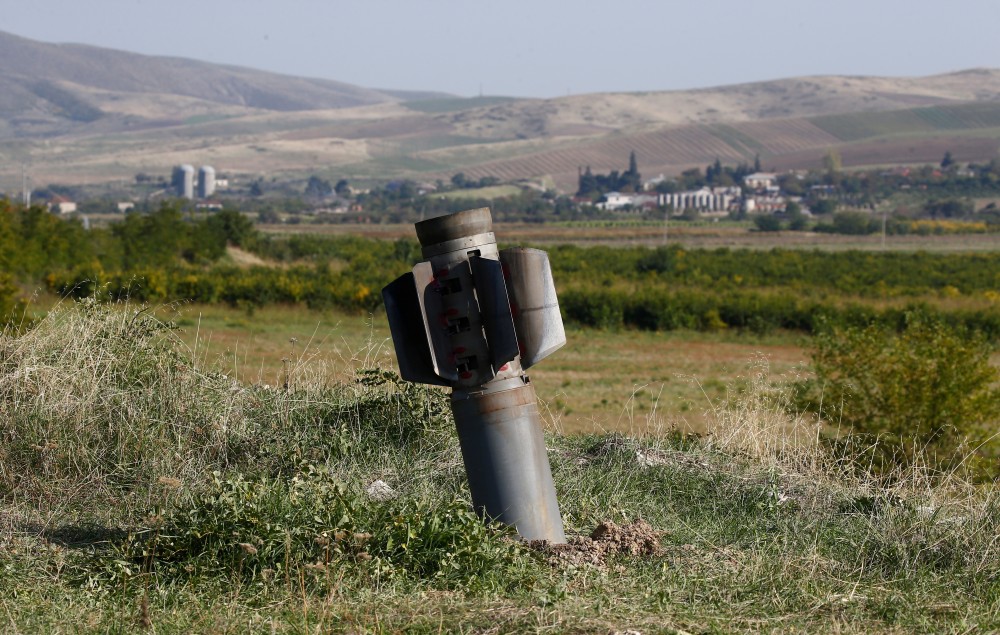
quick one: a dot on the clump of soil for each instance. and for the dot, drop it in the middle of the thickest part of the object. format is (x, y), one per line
(608, 539)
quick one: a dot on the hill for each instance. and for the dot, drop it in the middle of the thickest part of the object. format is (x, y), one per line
(76, 114)
(47, 88)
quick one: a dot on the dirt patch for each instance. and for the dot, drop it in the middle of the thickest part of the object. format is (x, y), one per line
(608, 539)
(244, 259)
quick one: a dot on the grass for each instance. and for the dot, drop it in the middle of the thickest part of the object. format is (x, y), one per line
(701, 234)
(583, 387)
(245, 509)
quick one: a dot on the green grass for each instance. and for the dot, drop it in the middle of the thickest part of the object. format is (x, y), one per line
(672, 377)
(910, 122)
(143, 492)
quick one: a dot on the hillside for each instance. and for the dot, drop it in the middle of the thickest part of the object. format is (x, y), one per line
(76, 114)
(47, 88)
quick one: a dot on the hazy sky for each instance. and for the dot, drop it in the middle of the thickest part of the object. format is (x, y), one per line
(536, 48)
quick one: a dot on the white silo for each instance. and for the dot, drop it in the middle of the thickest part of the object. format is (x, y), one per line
(206, 181)
(184, 180)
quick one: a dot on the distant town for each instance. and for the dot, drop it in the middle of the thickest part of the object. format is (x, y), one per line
(830, 199)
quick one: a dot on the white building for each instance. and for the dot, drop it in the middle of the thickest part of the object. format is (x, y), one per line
(61, 205)
(615, 200)
(761, 180)
(718, 199)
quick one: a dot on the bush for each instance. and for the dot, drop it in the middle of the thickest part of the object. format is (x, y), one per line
(11, 307)
(767, 223)
(928, 389)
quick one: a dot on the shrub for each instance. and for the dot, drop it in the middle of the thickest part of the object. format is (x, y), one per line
(767, 223)
(11, 307)
(925, 389)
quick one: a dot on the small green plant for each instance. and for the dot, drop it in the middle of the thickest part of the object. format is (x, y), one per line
(265, 529)
(928, 390)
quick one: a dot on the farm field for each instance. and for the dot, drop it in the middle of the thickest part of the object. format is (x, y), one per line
(634, 382)
(706, 234)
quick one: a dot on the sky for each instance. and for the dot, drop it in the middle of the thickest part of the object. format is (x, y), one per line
(535, 48)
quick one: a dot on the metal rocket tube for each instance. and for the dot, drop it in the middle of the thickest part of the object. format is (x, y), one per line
(505, 460)
(486, 316)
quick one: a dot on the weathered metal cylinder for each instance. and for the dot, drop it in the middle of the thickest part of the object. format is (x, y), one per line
(495, 408)
(506, 462)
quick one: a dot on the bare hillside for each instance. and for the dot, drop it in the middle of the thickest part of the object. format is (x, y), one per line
(76, 114)
(785, 98)
(59, 88)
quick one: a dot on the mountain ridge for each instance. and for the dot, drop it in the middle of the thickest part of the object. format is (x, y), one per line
(79, 113)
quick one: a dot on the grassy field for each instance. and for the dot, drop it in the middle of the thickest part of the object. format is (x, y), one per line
(706, 234)
(628, 381)
(145, 492)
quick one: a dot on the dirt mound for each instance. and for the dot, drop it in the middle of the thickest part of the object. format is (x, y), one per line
(608, 539)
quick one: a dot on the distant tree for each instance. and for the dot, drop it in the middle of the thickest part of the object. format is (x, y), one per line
(756, 162)
(713, 172)
(317, 187)
(459, 180)
(796, 219)
(692, 179)
(342, 188)
(833, 164)
(408, 189)
(268, 217)
(632, 179)
(823, 206)
(854, 223)
(947, 161)
(587, 185)
(767, 223)
(255, 188)
(948, 208)
(232, 227)
(791, 184)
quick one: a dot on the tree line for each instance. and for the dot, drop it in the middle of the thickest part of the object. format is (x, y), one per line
(167, 256)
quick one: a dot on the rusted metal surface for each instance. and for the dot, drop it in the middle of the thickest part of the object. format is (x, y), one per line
(481, 318)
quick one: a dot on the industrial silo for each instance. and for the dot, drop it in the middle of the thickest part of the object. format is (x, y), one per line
(184, 180)
(206, 181)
